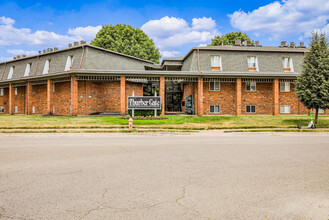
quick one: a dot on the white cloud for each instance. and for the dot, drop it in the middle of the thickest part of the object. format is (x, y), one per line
(2, 59)
(10, 35)
(167, 53)
(285, 18)
(170, 33)
(21, 52)
(203, 23)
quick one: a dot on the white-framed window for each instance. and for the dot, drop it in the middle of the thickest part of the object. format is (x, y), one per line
(214, 86)
(54, 87)
(321, 111)
(69, 63)
(250, 108)
(11, 72)
(284, 86)
(216, 63)
(33, 109)
(28, 69)
(287, 64)
(47, 67)
(214, 108)
(284, 108)
(33, 89)
(2, 92)
(16, 91)
(251, 86)
(2, 109)
(16, 109)
(252, 63)
(53, 109)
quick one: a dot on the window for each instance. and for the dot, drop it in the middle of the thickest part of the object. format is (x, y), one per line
(2, 92)
(284, 108)
(11, 72)
(47, 67)
(53, 87)
(2, 109)
(216, 63)
(33, 109)
(251, 86)
(69, 63)
(33, 89)
(53, 109)
(214, 108)
(252, 64)
(16, 90)
(287, 64)
(251, 109)
(321, 111)
(214, 86)
(28, 69)
(16, 109)
(285, 87)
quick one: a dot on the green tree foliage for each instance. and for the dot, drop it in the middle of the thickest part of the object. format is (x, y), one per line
(229, 38)
(127, 40)
(312, 86)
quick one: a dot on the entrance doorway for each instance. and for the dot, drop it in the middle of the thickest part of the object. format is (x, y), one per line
(173, 96)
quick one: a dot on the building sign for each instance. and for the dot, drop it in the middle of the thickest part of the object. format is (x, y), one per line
(144, 102)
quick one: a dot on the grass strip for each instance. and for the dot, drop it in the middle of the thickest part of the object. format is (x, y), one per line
(279, 130)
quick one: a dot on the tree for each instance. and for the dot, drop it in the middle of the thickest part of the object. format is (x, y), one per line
(229, 38)
(127, 40)
(312, 87)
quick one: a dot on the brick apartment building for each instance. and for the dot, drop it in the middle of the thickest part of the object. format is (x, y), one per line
(220, 80)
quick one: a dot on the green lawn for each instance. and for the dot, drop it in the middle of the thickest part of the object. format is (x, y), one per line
(183, 122)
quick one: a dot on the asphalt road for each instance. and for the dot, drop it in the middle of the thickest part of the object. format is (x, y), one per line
(209, 176)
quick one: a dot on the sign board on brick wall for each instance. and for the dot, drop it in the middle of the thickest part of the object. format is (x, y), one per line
(144, 102)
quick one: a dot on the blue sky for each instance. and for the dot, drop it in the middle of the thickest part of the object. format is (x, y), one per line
(176, 26)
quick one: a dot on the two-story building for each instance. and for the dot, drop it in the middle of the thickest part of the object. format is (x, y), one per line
(82, 79)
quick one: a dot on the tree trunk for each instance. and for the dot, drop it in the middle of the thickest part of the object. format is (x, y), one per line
(316, 115)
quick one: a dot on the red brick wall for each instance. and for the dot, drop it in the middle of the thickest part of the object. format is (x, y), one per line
(61, 98)
(225, 98)
(4, 101)
(19, 100)
(39, 99)
(262, 98)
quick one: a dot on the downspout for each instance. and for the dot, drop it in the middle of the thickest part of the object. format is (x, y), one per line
(4, 69)
(82, 55)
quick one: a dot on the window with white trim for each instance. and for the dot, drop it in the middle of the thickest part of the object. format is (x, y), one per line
(284, 86)
(2, 109)
(214, 86)
(214, 108)
(33, 109)
(250, 108)
(11, 72)
(16, 109)
(47, 67)
(69, 63)
(216, 63)
(16, 91)
(53, 109)
(321, 111)
(251, 86)
(2, 92)
(284, 108)
(252, 64)
(28, 69)
(287, 64)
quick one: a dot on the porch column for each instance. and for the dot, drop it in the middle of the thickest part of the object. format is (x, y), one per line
(74, 96)
(238, 96)
(200, 96)
(123, 95)
(11, 99)
(162, 88)
(28, 99)
(276, 97)
(49, 97)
